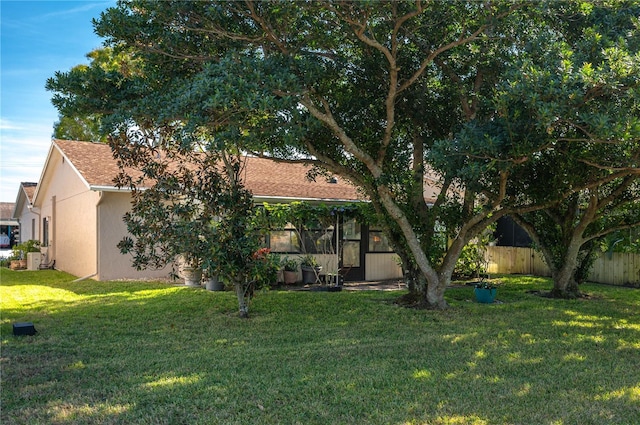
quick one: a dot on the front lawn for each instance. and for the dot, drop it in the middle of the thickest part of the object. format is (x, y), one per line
(154, 353)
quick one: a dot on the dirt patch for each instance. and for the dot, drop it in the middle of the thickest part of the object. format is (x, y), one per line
(549, 294)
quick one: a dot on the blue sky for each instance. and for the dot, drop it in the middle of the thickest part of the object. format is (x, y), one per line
(37, 38)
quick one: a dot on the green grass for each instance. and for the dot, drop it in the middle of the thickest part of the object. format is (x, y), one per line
(153, 353)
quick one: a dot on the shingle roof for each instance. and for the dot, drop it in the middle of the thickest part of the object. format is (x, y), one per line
(6, 210)
(29, 190)
(94, 161)
(264, 177)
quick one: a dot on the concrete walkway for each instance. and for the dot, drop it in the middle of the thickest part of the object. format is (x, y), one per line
(384, 285)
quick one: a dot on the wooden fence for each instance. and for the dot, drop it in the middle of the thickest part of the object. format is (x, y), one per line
(612, 268)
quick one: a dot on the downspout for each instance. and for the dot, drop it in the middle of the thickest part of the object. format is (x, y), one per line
(337, 249)
(98, 242)
(52, 229)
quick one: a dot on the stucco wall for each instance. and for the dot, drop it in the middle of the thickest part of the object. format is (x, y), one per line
(71, 210)
(29, 224)
(113, 264)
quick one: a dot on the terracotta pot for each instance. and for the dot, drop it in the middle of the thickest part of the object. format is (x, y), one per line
(289, 277)
(18, 264)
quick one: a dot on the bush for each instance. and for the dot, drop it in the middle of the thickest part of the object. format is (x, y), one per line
(290, 265)
(471, 262)
(20, 250)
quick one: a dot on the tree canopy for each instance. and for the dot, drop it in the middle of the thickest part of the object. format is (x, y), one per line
(579, 100)
(382, 93)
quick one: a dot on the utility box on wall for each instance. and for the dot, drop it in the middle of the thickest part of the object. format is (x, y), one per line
(33, 260)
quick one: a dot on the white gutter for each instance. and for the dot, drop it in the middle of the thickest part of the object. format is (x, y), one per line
(101, 188)
(256, 198)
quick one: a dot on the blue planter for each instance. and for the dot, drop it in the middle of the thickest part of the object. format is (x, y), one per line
(485, 296)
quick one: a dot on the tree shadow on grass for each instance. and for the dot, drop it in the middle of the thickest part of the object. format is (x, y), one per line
(153, 353)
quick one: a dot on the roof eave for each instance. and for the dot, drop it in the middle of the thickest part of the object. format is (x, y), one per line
(289, 199)
(46, 166)
(14, 213)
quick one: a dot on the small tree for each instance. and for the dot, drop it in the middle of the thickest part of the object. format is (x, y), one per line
(568, 233)
(473, 258)
(191, 203)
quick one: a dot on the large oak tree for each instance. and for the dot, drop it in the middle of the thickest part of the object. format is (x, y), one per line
(384, 94)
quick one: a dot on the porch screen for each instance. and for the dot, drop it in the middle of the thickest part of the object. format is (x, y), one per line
(285, 240)
(378, 242)
(290, 240)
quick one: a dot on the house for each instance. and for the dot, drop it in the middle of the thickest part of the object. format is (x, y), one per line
(28, 220)
(80, 214)
(9, 229)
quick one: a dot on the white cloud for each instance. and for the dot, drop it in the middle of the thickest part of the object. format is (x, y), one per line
(75, 10)
(23, 150)
(5, 124)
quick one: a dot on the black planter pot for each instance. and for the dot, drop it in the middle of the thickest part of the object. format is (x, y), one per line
(309, 274)
(214, 284)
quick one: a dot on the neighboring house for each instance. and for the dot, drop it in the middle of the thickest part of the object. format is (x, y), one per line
(28, 219)
(80, 214)
(9, 228)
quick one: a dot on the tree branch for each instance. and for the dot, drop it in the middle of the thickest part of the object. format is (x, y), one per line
(349, 145)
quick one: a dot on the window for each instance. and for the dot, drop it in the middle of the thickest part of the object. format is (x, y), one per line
(319, 241)
(378, 241)
(285, 241)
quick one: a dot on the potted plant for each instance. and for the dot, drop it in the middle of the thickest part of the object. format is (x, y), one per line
(191, 268)
(211, 274)
(263, 268)
(213, 282)
(15, 263)
(310, 269)
(289, 271)
(20, 251)
(485, 292)
(192, 275)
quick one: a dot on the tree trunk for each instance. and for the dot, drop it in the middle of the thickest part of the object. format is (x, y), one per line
(564, 284)
(435, 294)
(241, 294)
(563, 270)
